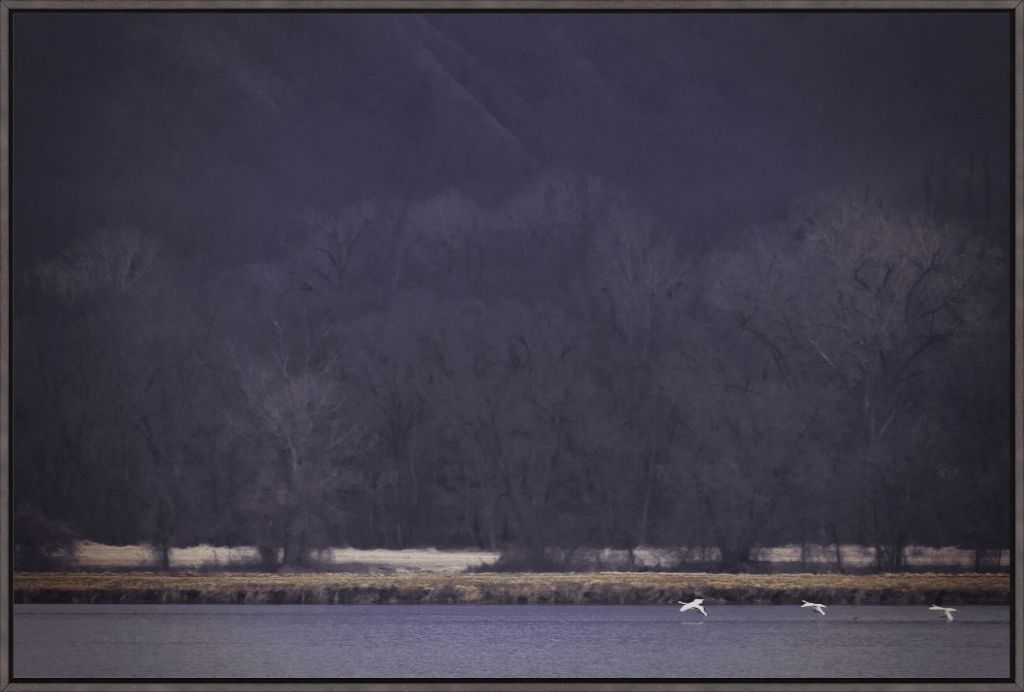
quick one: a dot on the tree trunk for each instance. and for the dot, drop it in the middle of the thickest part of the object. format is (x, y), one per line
(164, 554)
(889, 556)
(734, 558)
(294, 550)
(834, 530)
(645, 510)
(268, 558)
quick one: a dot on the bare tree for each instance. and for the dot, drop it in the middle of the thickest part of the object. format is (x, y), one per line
(637, 292)
(119, 260)
(392, 356)
(745, 431)
(892, 300)
(106, 284)
(324, 261)
(448, 234)
(509, 389)
(639, 278)
(298, 412)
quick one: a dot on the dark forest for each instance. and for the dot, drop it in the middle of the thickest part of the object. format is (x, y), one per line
(546, 282)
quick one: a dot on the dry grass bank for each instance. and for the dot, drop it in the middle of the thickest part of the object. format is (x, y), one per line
(508, 588)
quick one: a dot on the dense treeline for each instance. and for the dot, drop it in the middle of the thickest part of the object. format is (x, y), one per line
(547, 371)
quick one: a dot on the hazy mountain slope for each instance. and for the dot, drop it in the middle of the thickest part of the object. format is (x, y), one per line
(221, 132)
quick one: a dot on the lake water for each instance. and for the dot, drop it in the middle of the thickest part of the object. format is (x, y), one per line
(207, 641)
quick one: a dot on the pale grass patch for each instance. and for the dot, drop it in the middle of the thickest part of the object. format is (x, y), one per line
(97, 556)
(417, 559)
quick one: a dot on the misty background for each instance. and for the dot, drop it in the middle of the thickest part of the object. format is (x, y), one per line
(514, 281)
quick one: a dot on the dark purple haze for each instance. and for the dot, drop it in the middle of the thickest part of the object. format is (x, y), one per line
(217, 131)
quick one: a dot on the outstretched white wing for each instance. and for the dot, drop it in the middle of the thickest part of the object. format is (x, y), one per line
(695, 603)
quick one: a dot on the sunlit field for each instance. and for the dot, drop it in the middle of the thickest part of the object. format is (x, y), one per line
(89, 555)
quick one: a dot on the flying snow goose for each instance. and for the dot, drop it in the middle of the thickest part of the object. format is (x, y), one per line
(817, 606)
(948, 612)
(694, 604)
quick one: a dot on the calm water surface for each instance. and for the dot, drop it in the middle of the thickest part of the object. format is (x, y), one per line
(507, 641)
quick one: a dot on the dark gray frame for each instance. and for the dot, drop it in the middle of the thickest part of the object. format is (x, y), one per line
(6, 6)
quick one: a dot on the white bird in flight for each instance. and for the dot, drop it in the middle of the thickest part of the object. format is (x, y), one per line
(817, 606)
(695, 603)
(948, 612)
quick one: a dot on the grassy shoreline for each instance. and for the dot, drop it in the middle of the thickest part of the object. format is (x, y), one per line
(619, 588)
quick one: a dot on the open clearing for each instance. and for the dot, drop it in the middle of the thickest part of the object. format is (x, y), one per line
(89, 555)
(98, 555)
